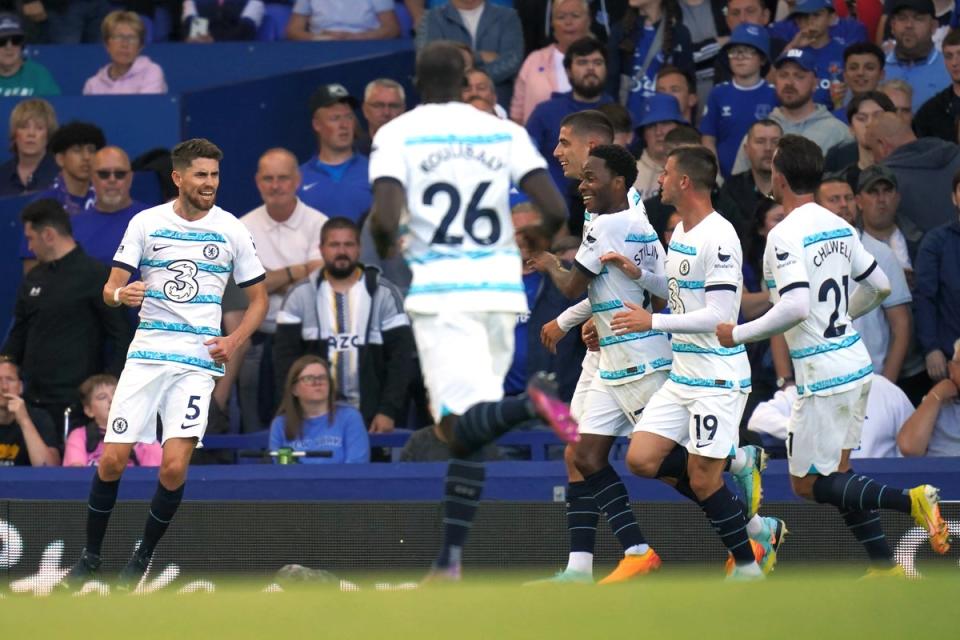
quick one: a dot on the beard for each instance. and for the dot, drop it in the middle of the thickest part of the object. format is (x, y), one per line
(341, 272)
(589, 87)
(199, 204)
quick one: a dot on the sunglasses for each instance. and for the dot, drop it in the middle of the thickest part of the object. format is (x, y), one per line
(16, 41)
(118, 174)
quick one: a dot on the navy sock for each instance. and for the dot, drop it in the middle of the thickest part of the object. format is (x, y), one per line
(859, 493)
(728, 518)
(866, 528)
(484, 422)
(611, 497)
(582, 517)
(462, 491)
(675, 466)
(164, 504)
(103, 496)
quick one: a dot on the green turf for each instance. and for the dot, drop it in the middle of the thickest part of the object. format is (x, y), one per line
(805, 604)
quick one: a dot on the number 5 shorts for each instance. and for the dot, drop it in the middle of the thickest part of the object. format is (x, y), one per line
(180, 396)
(464, 357)
(821, 427)
(705, 421)
(613, 410)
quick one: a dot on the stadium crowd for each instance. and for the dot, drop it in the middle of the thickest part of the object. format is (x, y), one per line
(875, 85)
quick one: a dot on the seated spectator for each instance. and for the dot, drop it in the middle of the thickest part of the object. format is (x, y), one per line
(915, 58)
(85, 444)
(31, 168)
(73, 146)
(28, 436)
(310, 420)
(843, 30)
(335, 180)
(493, 33)
(354, 20)
(888, 411)
(383, 100)
(901, 94)
(862, 73)
(661, 115)
(480, 87)
(429, 445)
(543, 73)
(128, 71)
(19, 77)
(623, 131)
(100, 227)
(221, 20)
(749, 188)
(938, 116)
(682, 86)
(934, 428)
(850, 158)
(351, 316)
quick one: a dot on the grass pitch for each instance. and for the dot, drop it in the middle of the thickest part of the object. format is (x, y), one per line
(803, 603)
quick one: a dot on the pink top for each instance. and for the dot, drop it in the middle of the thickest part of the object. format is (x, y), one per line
(75, 452)
(535, 82)
(144, 76)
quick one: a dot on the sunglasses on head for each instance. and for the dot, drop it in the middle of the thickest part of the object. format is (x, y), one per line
(16, 41)
(119, 174)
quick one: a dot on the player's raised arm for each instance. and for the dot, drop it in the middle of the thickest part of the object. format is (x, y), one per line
(389, 198)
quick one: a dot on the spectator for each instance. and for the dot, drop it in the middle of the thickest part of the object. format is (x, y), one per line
(338, 20)
(19, 77)
(661, 115)
(350, 315)
(31, 168)
(623, 132)
(734, 106)
(914, 58)
(749, 188)
(862, 73)
(480, 87)
(99, 228)
(430, 445)
(535, 19)
(28, 436)
(586, 67)
(878, 201)
(677, 83)
(62, 329)
(631, 51)
(335, 180)
(924, 170)
(938, 115)
(937, 291)
(383, 100)
(708, 32)
(85, 444)
(844, 31)
(901, 94)
(73, 146)
(814, 17)
(934, 428)
(493, 33)
(852, 157)
(747, 12)
(543, 72)
(221, 20)
(887, 411)
(68, 21)
(128, 72)
(310, 420)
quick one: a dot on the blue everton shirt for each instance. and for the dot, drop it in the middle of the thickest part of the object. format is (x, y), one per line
(337, 190)
(731, 109)
(829, 67)
(100, 233)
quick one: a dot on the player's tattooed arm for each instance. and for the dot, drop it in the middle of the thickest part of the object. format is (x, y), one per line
(389, 200)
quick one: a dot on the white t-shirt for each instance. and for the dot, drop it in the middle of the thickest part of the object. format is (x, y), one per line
(280, 244)
(457, 164)
(706, 258)
(185, 266)
(630, 356)
(471, 20)
(816, 249)
(560, 72)
(354, 16)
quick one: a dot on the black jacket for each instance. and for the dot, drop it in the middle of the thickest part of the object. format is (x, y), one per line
(937, 117)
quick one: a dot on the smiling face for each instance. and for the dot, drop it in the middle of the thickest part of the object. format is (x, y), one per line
(600, 189)
(571, 152)
(862, 72)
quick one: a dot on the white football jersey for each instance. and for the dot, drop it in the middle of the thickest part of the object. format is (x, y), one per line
(631, 356)
(457, 164)
(185, 266)
(815, 249)
(706, 258)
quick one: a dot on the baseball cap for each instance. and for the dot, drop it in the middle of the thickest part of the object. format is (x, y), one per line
(874, 174)
(890, 7)
(661, 107)
(329, 94)
(10, 25)
(751, 35)
(811, 6)
(801, 57)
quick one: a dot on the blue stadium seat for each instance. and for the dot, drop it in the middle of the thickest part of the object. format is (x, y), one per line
(404, 18)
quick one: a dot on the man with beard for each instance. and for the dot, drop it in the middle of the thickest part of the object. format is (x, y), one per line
(586, 64)
(915, 57)
(749, 188)
(185, 251)
(352, 317)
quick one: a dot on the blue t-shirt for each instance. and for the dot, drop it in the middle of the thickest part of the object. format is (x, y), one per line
(346, 438)
(642, 88)
(337, 190)
(829, 67)
(516, 379)
(100, 233)
(730, 111)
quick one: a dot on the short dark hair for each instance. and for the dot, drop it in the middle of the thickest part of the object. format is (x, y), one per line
(440, 70)
(800, 161)
(952, 38)
(697, 163)
(47, 212)
(76, 133)
(669, 70)
(618, 115)
(765, 122)
(590, 121)
(583, 47)
(187, 151)
(619, 161)
(882, 100)
(862, 49)
(683, 134)
(338, 222)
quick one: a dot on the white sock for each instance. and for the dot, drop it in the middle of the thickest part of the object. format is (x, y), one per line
(580, 561)
(740, 461)
(755, 526)
(752, 569)
(637, 550)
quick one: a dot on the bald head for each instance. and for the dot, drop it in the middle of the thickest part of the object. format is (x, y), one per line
(111, 179)
(278, 178)
(886, 134)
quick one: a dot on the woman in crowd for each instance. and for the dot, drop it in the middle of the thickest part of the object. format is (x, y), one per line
(128, 72)
(31, 168)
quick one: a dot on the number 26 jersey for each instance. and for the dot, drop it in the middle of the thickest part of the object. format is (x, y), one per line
(457, 164)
